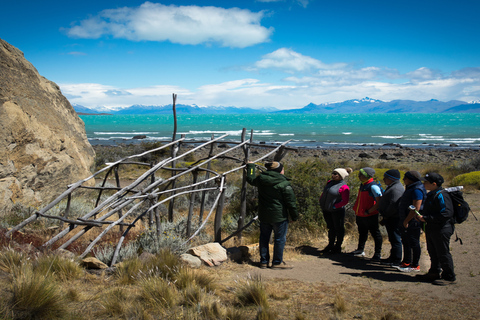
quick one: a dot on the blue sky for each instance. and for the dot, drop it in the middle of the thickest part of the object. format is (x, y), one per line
(259, 53)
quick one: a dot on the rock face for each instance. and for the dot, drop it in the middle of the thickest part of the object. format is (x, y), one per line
(43, 144)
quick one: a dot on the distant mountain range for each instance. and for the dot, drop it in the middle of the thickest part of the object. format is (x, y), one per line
(365, 105)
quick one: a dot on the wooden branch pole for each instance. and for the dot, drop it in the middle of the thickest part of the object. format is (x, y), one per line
(218, 215)
(192, 203)
(174, 154)
(243, 191)
(207, 175)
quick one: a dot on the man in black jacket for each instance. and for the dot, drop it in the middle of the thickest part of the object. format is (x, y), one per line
(276, 202)
(438, 215)
(388, 208)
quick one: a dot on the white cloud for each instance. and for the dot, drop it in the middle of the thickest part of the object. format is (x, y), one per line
(291, 61)
(423, 74)
(191, 25)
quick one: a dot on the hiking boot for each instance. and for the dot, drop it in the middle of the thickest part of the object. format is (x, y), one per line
(428, 277)
(336, 250)
(263, 265)
(443, 282)
(327, 249)
(282, 266)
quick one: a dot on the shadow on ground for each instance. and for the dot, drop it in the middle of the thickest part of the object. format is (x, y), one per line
(361, 267)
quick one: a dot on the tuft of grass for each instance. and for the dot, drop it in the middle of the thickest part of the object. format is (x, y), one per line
(165, 264)
(212, 310)
(266, 314)
(127, 272)
(36, 296)
(157, 293)
(186, 276)
(339, 304)
(11, 259)
(115, 303)
(58, 266)
(252, 292)
(192, 295)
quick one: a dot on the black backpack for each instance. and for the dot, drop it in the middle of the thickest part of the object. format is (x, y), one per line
(461, 208)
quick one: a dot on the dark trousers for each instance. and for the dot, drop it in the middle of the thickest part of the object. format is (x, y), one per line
(395, 239)
(336, 227)
(411, 243)
(369, 224)
(279, 239)
(438, 247)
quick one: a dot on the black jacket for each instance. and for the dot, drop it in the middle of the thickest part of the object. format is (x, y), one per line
(388, 205)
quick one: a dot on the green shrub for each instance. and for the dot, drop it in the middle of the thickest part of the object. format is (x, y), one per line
(468, 179)
(308, 180)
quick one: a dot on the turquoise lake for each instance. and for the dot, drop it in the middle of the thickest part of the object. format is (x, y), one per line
(309, 130)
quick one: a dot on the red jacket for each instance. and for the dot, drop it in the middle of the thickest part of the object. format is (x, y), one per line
(364, 200)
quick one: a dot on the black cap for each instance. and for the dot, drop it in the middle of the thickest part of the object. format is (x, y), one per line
(413, 175)
(433, 177)
(392, 174)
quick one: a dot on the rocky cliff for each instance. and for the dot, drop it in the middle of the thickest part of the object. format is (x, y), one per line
(43, 144)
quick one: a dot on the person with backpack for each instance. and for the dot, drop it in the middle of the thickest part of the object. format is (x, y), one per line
(333, 199)
(366, 211)
(410, 228)
(388, 209)
(438, 215)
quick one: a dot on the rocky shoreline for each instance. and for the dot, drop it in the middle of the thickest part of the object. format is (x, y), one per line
(395, 156)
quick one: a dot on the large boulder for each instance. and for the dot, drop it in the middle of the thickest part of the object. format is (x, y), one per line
(43, 142)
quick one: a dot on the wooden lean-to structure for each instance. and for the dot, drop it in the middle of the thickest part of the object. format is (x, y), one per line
(148, 192)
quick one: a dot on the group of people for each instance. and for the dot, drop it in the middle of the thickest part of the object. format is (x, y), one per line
(404, 211)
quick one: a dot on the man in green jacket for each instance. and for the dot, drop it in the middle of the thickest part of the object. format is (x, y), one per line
(276, 202)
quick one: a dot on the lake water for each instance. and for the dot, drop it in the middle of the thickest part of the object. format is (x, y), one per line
(309, 130)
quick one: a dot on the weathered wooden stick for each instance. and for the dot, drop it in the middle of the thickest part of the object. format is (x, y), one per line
(67, 209)
(192, 203)
(239, 230)
(217, 225)
(207, 175)
(220, 192)
(87, 223)
(174, 154)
